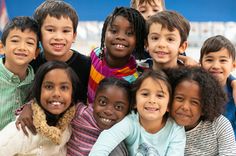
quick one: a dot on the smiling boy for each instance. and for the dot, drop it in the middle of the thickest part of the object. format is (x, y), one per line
(20, 41)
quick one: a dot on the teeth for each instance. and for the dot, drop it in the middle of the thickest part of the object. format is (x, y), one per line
(120, 46)
(58, 45)
(56, 103)
(106, 120)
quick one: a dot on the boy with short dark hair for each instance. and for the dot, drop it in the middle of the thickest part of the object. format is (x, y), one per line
(58, 24)
(20, 39)
(218, 57)
(167, 38)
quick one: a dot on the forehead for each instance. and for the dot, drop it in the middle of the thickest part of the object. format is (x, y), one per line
(153, 84)
(57, 75)
(61, 21)
(223, 52)
(27, 33)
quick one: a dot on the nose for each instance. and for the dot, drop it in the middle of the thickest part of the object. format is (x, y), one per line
(56, 92)
(22, 46)
(161, 42)
(215, 64)
(108, 110)
(58, 35)
(152, 99)
(120, 36)
(185, 106)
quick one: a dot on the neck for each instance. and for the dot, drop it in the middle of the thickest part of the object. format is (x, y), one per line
(20, 71)
(158, 66)
(63, 58)
(153, 126)
(116, 62)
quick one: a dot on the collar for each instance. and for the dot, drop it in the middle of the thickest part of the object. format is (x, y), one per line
(53, 133)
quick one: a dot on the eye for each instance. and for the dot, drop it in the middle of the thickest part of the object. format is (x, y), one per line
(179, 98)
(65, 87)
(14, 40)
(66, 31)
(144, 94)
(170, 39)
(130, 33)
(119, 107)
(223, 60)
(160, 95)
(113, 30)
(30, 42)
(208, 60)
(48, 86)
(195, 102)
(50, 30)
(154, 38)
(102, 101)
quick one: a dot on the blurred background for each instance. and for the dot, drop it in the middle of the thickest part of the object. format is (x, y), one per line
(207, 18)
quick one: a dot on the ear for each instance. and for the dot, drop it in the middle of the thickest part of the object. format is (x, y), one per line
(74, 36)
(146, 46)
(234, 65)
(183, 47)
(36, 53)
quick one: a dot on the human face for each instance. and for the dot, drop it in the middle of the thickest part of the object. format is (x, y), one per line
(20, 48)
(186, 107)
(120, 40)
(152, 100)
(219, 64)
(56, 91)
(57, 38)
(164, 46)
(147, 10)
(110, 106)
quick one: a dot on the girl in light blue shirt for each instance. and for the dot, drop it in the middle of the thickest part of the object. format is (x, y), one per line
(148, 130)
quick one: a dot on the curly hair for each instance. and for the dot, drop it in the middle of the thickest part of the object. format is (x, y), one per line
(138, 24)
(212, 95)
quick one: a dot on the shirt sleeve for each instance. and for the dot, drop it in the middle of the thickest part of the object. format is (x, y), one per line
(178, 141)
(110, 138)
(231, 78)
(226, 139)
(13, 141)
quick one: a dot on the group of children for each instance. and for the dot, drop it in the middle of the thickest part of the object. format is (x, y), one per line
(167, 109)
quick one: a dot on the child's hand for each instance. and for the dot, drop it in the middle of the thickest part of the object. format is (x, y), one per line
(188, 61)
(233, 85)
(26, 119)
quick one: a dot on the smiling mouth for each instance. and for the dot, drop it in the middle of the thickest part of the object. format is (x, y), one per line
(151, 109)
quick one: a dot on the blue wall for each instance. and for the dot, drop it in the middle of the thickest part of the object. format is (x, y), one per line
(194, 10)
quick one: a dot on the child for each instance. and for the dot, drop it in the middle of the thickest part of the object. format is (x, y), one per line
(149, 130)
(123, 34)
(58, 24)
(111, 104)
(218, 57)
(167, 38)
(148, 7)
(197, 104)
(53, 108)
(20, 45)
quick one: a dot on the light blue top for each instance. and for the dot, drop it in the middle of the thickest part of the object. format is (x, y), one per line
(169, 141)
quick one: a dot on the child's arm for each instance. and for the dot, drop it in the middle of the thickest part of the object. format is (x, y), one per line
(188, 61)
(232, 79)
(13, 141)
(26, 119)
(109, 139)
(177, 144)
